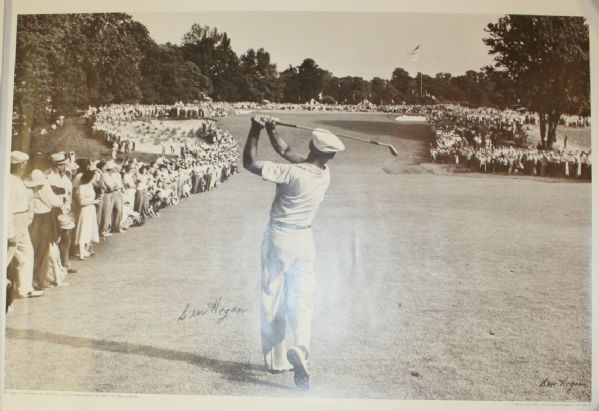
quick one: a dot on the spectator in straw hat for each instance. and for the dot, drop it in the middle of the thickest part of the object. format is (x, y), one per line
(59, 177)
(44, 231)
(19, 242)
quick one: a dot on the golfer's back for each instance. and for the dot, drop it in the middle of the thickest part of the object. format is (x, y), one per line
(300, 190)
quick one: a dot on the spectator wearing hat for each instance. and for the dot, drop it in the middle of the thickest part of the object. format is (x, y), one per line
(112, 204)
(210, 177)
(129, 189)
(44, 231)
(288, 252)
(195, 178)
(142, 201)
(19, 240)
(59, 177)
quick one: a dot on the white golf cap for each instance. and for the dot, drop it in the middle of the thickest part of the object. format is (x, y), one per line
(59, 158)
(18, 157)
(326, 141)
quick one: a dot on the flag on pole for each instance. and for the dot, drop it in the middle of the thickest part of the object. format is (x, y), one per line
(414, 53)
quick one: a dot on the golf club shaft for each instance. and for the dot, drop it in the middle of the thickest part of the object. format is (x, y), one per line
(393, 150)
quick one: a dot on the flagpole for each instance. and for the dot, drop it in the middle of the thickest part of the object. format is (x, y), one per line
(414, 56)
(420, 74)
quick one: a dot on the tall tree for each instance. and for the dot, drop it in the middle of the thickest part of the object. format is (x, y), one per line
(545, 60)
(259, 76)
(289, 83)
(112, 56)
(169, 78)
(353, 90)
(212, 53)
(403, 83)
(468, 84)
(332, 88)
(381, 91)
(67, 61)
(443, 89)
(311, 80)
(151, 73)
(33, 76)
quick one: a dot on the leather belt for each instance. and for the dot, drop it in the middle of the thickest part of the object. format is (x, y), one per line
(291, 226)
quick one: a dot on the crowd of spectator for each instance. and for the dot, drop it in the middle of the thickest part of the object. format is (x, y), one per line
(110, 122)
(575, 121)
(61, 206)
(470, 137)
(211, 109)
(364, 106)
(175, 111)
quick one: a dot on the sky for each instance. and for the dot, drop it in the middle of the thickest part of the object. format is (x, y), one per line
(347, 44)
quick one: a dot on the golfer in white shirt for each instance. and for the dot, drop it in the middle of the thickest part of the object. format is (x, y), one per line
(288, 252)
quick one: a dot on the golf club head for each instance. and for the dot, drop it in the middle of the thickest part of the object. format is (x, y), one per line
(393, 150)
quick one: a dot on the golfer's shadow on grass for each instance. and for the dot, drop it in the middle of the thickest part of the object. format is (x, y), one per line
(233, 371)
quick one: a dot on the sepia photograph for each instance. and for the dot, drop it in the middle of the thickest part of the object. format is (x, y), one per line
(298, 204)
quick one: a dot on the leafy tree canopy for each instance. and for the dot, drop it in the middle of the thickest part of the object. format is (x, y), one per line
(544, 60)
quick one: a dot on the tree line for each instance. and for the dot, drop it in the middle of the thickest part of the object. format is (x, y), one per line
(66, 62)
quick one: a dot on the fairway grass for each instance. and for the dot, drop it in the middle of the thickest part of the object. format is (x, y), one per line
(444, 287)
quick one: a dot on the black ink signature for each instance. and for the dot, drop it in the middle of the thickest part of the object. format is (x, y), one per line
(215, 309)
(561, 382)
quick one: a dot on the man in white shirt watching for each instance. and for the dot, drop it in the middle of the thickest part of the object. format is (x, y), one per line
(20, 203)
(288, 251)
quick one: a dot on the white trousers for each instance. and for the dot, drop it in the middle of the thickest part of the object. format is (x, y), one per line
(288, 283)
(23, 262)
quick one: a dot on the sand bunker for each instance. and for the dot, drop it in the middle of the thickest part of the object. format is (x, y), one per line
(411, 119)
(149, 135)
